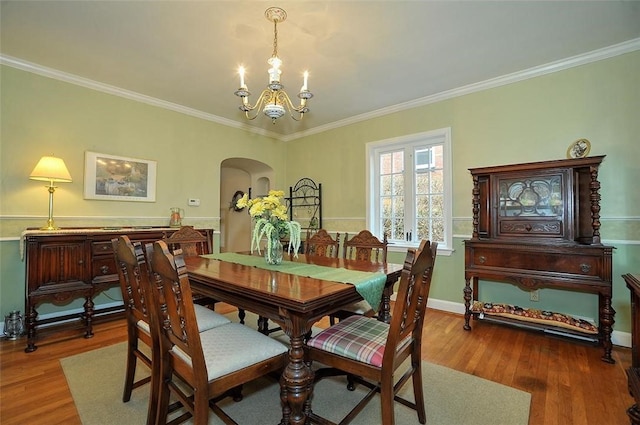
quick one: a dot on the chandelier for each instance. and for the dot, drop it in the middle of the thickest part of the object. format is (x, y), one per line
(273, 100)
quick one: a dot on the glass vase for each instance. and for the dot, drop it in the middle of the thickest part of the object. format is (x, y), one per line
(273, 252)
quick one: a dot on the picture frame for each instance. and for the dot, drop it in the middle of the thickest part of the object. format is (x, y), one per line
(579, 149)
(118, 178)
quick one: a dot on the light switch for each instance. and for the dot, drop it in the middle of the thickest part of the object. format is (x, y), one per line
(194, 202)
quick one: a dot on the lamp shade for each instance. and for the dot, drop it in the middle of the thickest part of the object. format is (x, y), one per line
(51, 169)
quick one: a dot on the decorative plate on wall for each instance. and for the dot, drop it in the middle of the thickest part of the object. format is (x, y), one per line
(579, 149)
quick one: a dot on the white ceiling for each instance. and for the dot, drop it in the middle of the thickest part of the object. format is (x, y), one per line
(362, 56)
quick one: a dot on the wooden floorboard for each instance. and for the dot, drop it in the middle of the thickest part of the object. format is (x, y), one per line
(568, 382)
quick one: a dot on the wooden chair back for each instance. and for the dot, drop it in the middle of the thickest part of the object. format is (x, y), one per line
(174, 303)
(132, 269)
(366, 247)
(413, 292)
(181, 347)
(322, 244)
(190, 241)
(403, 340)
(135, 286)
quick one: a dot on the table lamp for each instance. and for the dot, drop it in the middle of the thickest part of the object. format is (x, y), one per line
(50, 169)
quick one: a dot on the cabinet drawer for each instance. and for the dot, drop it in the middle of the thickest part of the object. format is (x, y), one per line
(104, 268)
(540, 228)
(101, 248)
(539, 261)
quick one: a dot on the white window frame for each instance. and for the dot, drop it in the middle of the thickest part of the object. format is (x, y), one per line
(373, 151)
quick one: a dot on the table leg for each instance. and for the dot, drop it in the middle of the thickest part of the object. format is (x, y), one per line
(385, 305)
(296, 382)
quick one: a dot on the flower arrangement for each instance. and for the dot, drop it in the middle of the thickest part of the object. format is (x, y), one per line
(271, 223)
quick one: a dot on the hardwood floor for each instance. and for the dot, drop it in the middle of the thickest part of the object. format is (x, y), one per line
(569, 383)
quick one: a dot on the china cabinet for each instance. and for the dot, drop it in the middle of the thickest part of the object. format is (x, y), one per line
(537, 225)
(72, 263)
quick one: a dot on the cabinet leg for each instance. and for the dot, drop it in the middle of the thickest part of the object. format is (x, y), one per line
(467, 304)
(607, 314)
(31, 330)
(88, 317)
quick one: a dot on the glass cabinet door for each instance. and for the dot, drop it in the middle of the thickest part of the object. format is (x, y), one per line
(537, 197)
(532, 205)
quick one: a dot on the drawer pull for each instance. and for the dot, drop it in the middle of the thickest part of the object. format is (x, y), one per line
(585, 268)
(482, 259)
(528, 227)
(104, 269)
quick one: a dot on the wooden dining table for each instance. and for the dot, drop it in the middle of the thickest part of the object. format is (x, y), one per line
(292, 301)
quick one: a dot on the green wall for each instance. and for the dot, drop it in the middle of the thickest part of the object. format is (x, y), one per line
(532, 120)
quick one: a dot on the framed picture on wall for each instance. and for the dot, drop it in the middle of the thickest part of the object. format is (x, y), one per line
(118, 178)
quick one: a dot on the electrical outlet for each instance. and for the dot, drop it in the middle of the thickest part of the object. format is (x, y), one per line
(534, 295)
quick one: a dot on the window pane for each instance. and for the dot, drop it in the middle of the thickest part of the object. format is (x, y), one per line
(385, 185)
(385, 209)
(398, 162)
(385, 163)
(422, 206)
(437, 181)
(437, 156)
(398, 184)
(437, 232)
(423, 229)
(398, 230)
(422, 183)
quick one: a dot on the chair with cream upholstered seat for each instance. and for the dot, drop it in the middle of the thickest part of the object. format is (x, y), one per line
(133, 276)
(372, 350)
(212, 363)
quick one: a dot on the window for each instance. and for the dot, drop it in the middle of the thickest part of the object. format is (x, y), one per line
(409, 195)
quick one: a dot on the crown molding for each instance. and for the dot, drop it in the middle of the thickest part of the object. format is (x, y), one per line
(571, 62)
(127, 94)
(578, 60)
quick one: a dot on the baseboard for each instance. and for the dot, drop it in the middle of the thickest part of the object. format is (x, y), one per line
(622, 339)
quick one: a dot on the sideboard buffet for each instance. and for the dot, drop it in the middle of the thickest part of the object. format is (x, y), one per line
(72, 263)
(537, 225)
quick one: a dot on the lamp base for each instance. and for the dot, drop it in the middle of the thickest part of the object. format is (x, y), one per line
(50, 225)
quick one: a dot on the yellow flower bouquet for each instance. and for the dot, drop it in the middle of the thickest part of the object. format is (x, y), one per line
(272, 223)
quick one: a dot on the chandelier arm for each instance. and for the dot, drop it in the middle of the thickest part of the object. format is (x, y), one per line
(286, 101)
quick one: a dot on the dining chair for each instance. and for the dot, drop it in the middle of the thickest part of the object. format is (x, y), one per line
(322, 244)
(373, 350)
(210, 364)
(363, 246)
(133, 274)
(192, 243)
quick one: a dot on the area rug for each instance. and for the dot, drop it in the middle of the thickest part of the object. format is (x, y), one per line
(452, 398)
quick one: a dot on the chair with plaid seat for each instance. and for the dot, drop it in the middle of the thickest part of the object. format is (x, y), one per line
(373, 350)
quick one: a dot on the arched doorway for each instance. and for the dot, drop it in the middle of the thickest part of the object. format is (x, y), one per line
(239, 175)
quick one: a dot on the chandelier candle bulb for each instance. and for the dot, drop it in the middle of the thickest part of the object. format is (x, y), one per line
(241, 72)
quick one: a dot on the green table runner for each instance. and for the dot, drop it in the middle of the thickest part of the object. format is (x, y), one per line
(369, 285)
